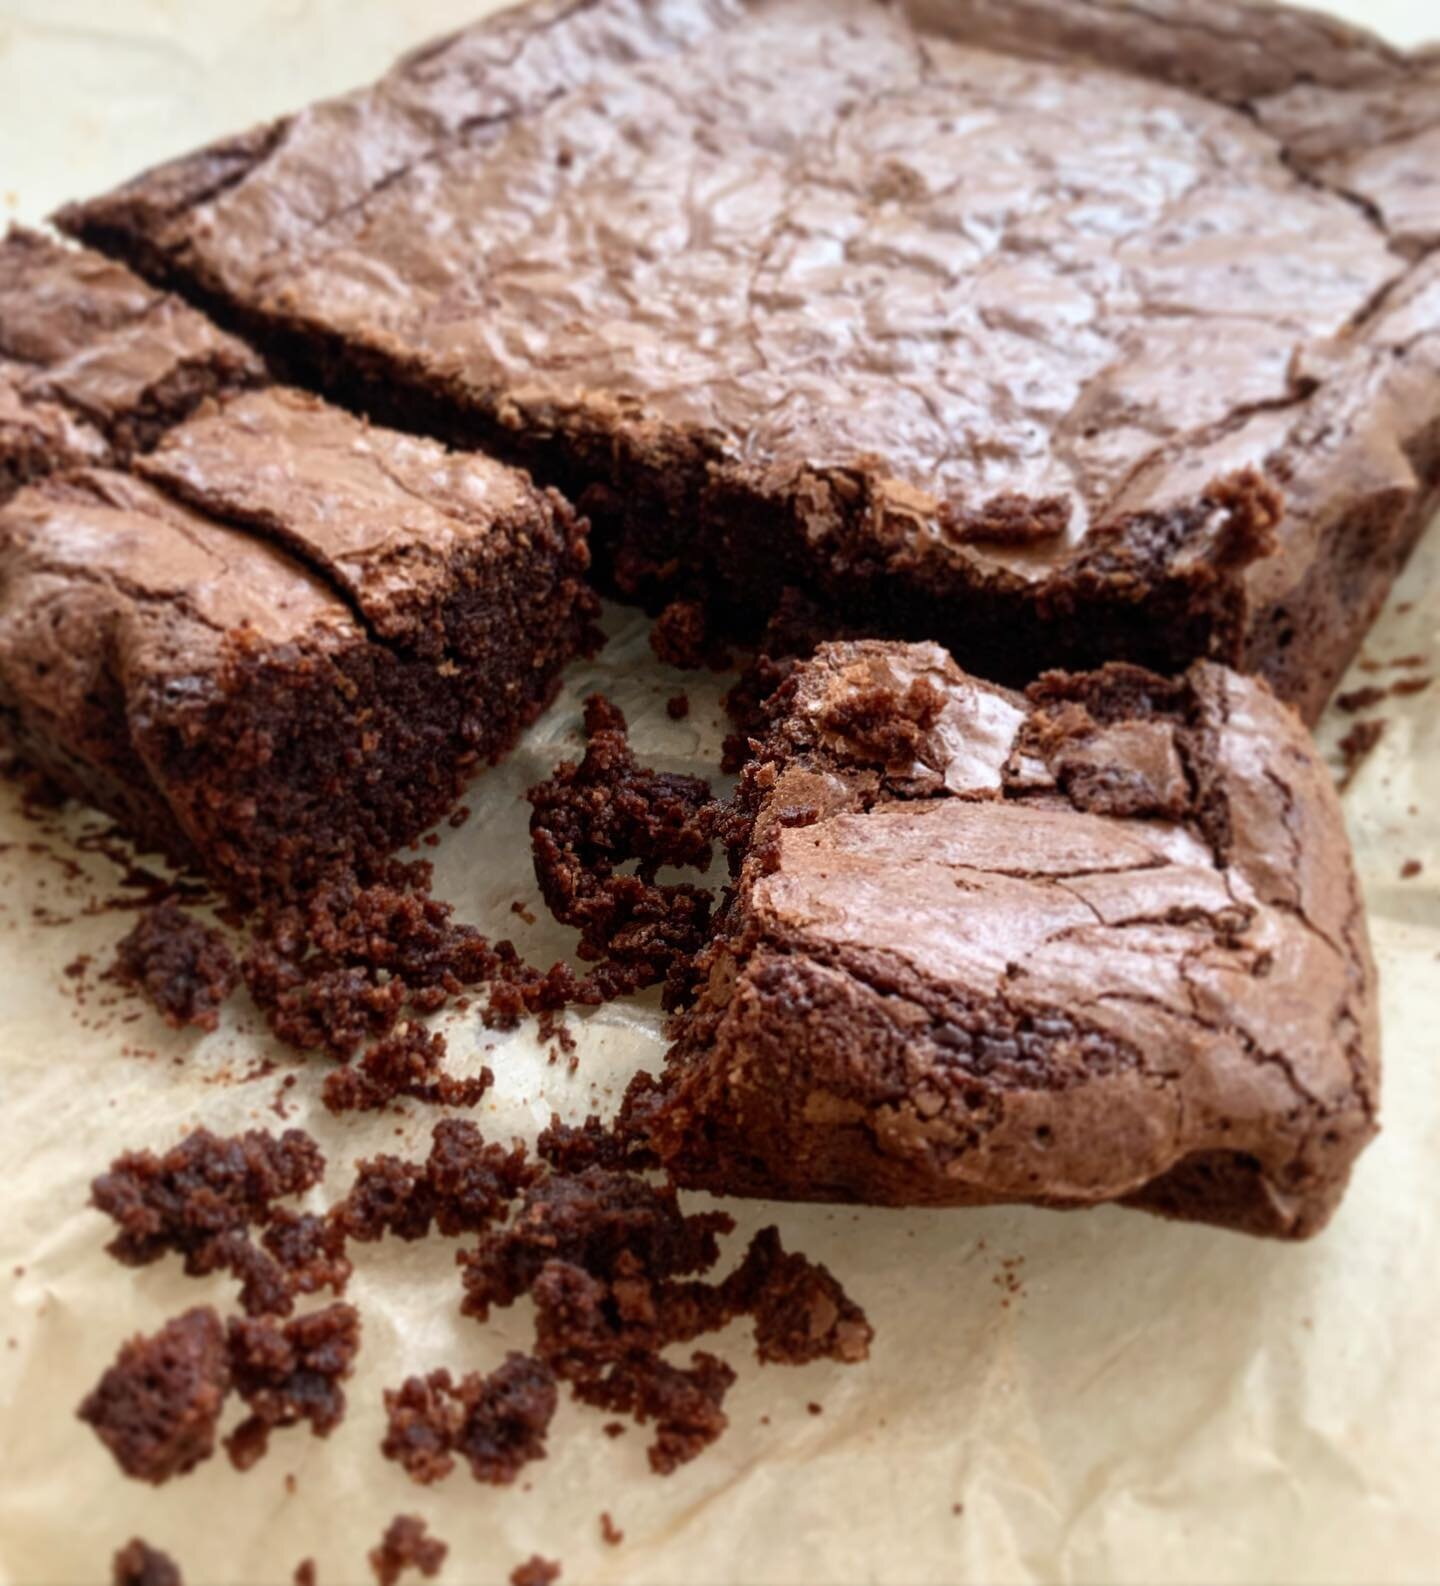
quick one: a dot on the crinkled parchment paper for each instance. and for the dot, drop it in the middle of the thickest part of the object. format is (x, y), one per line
(1097, 1396)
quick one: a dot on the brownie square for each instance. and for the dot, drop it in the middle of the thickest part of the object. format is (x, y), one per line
(290, 642)
(94, 364)
(1099, 942)
(1053, 331)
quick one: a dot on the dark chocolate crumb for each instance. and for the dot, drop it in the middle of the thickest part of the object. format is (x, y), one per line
(496, 1422)
(609, 1531)
(184, 967)
(535, 1571)
(290, 1373)
(1357, 699)
(815, 1409)
(305, 1572)
(156, 1409)
(139, 1564)
(1410, 869)
(677, 707)
(463, 1186)
(405, 1545)
(1355, 748)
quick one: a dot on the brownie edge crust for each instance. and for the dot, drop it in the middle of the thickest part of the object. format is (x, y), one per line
(1101, 942)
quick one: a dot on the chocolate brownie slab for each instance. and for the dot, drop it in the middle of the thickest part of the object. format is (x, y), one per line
(998, 322)
(290, 643)
(95, 364)
(1100, 942)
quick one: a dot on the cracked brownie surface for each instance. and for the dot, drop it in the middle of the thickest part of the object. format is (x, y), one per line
(1102, 941)
(94, 364)
(284, 639)
(999, 324)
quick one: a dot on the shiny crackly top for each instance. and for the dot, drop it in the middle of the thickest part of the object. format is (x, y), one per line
(844, 235)
(387, 518)
(1176, 879)
(85, 337)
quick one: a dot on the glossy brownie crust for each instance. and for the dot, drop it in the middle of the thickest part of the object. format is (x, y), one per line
(979, 321)
(1099, 943)
(94, 364)
(285, 638)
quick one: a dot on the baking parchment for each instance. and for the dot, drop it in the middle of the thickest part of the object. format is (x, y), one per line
(1082, 1397)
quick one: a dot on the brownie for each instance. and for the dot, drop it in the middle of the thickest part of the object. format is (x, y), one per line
(284, 639)
(1056, 332)
(156, 1409)
(94, 364)
(1099, 942)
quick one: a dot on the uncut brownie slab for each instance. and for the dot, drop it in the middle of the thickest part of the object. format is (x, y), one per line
(998, 322)
(94, 364)
(1098, 942)
(285, 638)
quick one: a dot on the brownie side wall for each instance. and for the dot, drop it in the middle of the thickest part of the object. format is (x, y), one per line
(1303, 643)
(299, 759)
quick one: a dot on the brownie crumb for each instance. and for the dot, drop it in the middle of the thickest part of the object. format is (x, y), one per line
(305, 1572)
(290, 1373)
(613, 1429)
(405, 1545)
(184, 967)
(681, 636)
(1355, 748)
(139, 1564)
(535, 1571)
(800, 1311)
(462, 1187)
(590, 818)
(569, 1148)
(156, 1409)
(815, 1409)
(1410, 869)
(497, 1423)
(408, 1062)
(200, 1198)
(1404, 686)
(1357, 699)
(338, 968)
(677, 707)
(609, 1531)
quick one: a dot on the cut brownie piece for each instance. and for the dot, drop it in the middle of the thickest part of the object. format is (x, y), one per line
(992, 323)
(289, 645)
(1100, 942)
(94, 364)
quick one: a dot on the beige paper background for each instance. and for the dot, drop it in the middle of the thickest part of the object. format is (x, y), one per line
(1151, 1403)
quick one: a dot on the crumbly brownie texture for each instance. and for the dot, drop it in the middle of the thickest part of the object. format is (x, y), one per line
(94, 364)
(183, 966)
(611, 1265)
(464, 1185)
(290, 1372)
(156, 1409)
(202, 1198)
(1100, 942)
(972, 321)
(139, 1564)
(535, 1571)
(289, 645)
(588, 819)
(404, 1546)
(497, 1423)
(409, 1063)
